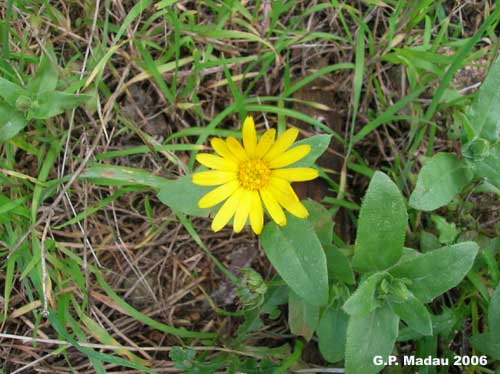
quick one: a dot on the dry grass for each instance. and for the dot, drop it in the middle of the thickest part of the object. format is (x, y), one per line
(142, 250)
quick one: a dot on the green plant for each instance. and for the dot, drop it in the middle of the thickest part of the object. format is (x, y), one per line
(38, 99)
(445, 175)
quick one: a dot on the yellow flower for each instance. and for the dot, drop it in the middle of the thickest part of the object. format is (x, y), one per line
(253, 174)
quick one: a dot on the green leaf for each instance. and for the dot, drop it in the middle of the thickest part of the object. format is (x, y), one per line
(53, 103)
(369, 336)
(302, 316)
(485, 111)
(442, 324)
(122, 176)
(332, 330)
(321, 220)
(435, 272)
(10, 92)
(364, 299)
(183, 196)
(440, 179)
(413, 313)
(447, 231)
(489, 167)
(381, 226)
(45, 79)
(319, 144)
(338, 265)
(296, 253)
(494, 312)
(428, 241)
(11, 122)
(487, 343)
(93, 354)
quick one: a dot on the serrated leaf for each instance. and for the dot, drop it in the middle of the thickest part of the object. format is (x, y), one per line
(338, 265)
(413, 313)
(489, 167)
(381, 226)
(332, 330)
(485, 111)
(11, 122)
(435, 272)
(364, 300)
(321, 220)
(319, 144)
(183, 196)
(439, 180)
(296, 253)
(369, 336)
(302, 316)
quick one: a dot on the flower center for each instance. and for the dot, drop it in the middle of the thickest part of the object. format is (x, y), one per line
(253, 174)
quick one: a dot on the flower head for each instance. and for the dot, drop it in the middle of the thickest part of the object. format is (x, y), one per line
(252, 176)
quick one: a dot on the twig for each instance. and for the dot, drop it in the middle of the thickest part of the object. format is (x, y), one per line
(43, 260)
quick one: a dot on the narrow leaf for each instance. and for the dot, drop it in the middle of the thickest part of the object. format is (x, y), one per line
(338, 264)
(485, 111)
(319, 144)
(435, 272)
(494, 312)
(332, 331)
(381, 226)
(50, 104)
(363, 300)
(302, 316)
(369, 336)
(487, 343)
(321, 220)
(489, 167)
(10, 92)
(414, 314)
(183, 196)
(46, 76)
(122, 176)
(296, 253)
(11, 122)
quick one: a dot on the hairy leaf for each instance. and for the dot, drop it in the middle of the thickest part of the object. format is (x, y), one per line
(381, 226)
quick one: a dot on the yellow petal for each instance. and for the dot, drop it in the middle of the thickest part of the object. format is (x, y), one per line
(256, 213)
(291, 156)
(240, 218)
(215, 162)
(249, 136)
(282, 144)
(265, 143)
(227, 210)
(283, 186)
(295, 174)
(236, 149)
(222, 149)
(213, 178)
(272, 207)
(218, 194)
(289, 202)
